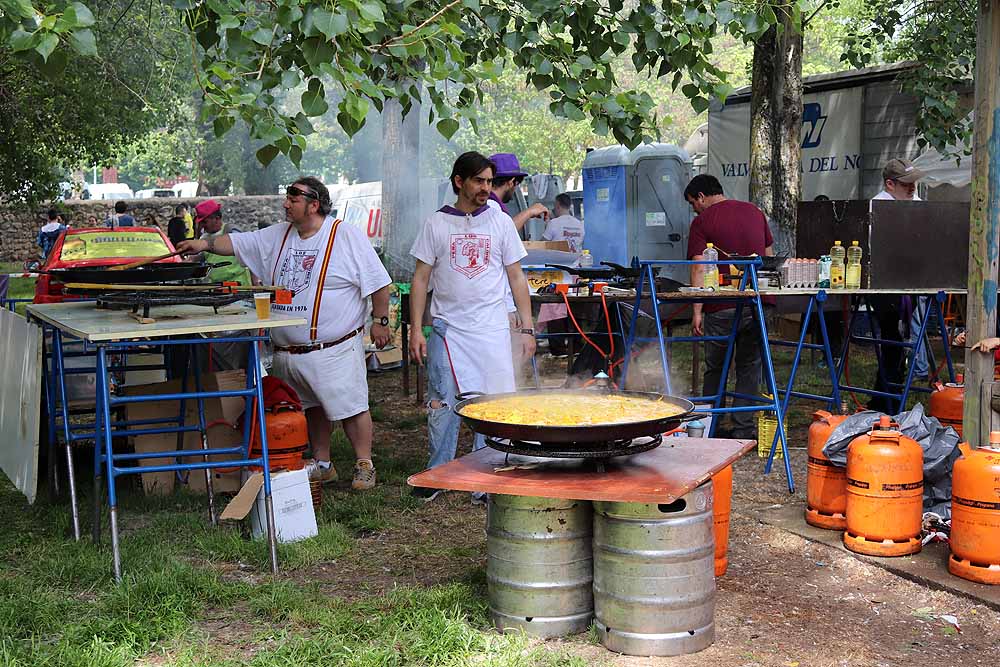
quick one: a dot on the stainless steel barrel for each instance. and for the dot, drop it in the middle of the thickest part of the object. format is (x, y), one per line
(539, 564)
(654, 575)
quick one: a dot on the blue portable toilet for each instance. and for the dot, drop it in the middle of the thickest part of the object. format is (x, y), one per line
(634, 205)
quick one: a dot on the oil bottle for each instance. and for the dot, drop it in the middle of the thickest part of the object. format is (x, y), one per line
(711, 276)
(853, 280)
(837, 266)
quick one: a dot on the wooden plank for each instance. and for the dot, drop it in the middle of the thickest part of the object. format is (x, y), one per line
(984, 221)
(661, 475)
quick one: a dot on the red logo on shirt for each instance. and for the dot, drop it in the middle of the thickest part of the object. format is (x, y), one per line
(470, 253)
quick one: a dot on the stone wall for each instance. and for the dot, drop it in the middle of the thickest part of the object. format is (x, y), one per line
(19, 227)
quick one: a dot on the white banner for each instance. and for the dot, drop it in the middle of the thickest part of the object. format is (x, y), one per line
(831, 146)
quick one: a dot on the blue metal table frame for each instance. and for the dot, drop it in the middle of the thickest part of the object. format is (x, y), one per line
(747, 294)
(103, 429)
(815, 307)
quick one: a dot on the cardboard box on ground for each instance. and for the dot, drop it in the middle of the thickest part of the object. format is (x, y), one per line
(228, 409)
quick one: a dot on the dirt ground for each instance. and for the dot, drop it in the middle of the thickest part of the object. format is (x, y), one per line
(785, 601)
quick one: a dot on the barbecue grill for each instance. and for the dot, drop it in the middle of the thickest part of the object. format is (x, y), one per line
(145, 299)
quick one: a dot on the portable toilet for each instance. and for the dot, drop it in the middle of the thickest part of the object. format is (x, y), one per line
(635, 206)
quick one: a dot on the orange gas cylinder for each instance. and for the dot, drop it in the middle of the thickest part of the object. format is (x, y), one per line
(975, 513)
(722, 501)
(946, 405)
(287, 438)
(885, 488)
(826, 484)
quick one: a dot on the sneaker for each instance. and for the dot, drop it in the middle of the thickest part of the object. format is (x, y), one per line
(318, 473)
(425, 494)
(364, 476)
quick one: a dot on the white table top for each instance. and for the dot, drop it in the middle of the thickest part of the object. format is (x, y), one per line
(84, 320)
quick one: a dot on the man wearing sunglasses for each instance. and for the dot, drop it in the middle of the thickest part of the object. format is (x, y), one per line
(331, 269)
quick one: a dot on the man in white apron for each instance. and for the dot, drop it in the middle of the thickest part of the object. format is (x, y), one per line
(331, 270)
(472, 251)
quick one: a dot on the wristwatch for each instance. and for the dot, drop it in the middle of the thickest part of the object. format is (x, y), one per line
(529, 332)
(384, 320)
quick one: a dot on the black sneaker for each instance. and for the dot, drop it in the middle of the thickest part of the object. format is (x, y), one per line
(425, 494)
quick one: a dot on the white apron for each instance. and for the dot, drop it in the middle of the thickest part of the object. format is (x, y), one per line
(480, 360)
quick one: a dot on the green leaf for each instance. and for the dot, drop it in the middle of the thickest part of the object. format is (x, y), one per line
(84, 17)
(544, 67)
(83, 42)
(222, 124)
(262, 36)
(699, 104)
(266, 154)
(290, 79)
(372, 11)
(328, 23)
(572, 111)
(314, 99)
(47, 44)
(447, 127)
(23, 8)
(67, 21)
(22, 41)
(317, 50)
(295, 155)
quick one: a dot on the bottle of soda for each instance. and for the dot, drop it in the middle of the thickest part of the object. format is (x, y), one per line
(711, 276)
(853, 279)
(586, 260)
(837, 256)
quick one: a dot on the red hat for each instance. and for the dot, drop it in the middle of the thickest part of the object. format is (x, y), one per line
(206, 208)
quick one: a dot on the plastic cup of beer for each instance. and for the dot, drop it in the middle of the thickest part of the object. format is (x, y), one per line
(262, 301)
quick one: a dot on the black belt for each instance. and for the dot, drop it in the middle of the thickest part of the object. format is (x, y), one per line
(304, 349)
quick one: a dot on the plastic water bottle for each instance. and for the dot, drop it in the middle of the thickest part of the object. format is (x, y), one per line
(837, 256)
(586, 260)
(824, 272)
(854, 266)
(711, 279)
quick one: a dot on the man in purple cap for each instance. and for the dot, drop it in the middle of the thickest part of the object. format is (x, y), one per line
(507, 179)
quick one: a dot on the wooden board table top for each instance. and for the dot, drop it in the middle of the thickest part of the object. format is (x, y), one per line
(661, 475)
(84, 320)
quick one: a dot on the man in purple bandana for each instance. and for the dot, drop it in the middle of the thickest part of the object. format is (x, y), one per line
(508, 178)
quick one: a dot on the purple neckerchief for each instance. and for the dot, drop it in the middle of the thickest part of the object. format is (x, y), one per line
(497, 200)
(451, 210)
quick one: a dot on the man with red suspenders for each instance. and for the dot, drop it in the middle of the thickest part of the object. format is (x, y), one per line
(331, 270)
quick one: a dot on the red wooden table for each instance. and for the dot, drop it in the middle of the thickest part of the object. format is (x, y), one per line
(661, 475)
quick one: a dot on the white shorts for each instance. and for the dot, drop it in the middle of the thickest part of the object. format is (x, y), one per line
(335, 378)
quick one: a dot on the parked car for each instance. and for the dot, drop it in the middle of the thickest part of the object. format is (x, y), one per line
(108, 191)
(97, 247)
(154, 192)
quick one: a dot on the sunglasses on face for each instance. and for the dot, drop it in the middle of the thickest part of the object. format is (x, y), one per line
(296, 191)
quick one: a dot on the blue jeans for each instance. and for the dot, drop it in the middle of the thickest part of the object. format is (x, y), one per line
(921, 365)
(442, 422)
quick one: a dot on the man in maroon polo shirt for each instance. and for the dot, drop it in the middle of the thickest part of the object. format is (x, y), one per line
(734, 228)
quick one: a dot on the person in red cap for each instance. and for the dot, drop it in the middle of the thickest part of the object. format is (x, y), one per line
(508, 178)
(208, 218)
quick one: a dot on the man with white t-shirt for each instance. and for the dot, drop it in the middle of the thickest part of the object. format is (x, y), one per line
(331, 270)
(899, 183)
(471, 251)
(565, 227)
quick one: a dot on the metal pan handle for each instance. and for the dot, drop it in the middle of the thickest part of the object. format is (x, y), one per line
(216, 265)
(468, 394)
(695, 415)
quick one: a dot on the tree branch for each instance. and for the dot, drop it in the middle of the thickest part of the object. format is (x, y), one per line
(434, 17)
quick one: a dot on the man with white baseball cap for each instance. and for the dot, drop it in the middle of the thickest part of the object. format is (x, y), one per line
(899, 181)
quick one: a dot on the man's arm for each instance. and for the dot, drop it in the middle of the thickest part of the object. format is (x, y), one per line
(769, 251)
(697, 280)
(534, 211)
(219, 245)
(380, 308)
(522, 299)
(418, 301)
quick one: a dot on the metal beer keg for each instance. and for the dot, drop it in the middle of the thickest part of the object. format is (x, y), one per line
(539, 566)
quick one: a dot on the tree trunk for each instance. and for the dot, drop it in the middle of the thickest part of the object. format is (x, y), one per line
(776, 128)
(984, 226)
(400, 187)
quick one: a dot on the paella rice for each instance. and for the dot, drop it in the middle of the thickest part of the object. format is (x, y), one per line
(570, 409)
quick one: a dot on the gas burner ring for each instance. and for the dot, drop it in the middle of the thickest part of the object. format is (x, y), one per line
(576, 450)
